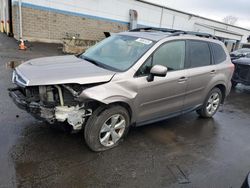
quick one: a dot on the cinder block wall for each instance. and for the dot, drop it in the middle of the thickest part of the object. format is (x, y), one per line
(49, 26)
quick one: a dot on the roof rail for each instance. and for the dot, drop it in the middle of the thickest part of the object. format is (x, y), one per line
(174, 32)
(154, 29)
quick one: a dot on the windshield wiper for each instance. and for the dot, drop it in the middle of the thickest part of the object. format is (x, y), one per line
(92, 61)
(97, 63)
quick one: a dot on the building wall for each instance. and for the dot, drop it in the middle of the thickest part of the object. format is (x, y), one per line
(53, 26)
(53, 20)
(4, 14)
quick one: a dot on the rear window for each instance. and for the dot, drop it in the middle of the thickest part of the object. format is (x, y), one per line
(199, 54)
(218, 53)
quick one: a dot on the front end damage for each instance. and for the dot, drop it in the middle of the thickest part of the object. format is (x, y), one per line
(55, 103)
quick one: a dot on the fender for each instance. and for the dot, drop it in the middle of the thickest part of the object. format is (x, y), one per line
(112, 93)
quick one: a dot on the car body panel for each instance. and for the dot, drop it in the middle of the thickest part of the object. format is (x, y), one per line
(198, 78)
(164, 95)
(62, 70)
(239, 53)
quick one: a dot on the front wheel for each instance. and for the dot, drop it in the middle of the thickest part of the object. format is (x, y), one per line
(211, 104)
(106, 128)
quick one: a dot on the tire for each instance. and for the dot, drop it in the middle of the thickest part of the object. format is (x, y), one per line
(101, 131)
(234, 84)
(211, 99)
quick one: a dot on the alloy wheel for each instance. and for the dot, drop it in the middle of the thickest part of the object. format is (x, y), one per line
(112, 130)
(213, 103)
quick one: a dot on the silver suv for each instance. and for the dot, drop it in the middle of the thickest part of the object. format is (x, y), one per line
(128, 79)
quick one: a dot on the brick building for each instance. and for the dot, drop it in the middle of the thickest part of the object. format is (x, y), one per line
(54, 20)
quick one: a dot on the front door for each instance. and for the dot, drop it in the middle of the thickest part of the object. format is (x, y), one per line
(164, 95)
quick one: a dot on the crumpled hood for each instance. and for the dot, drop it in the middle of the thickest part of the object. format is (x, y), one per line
(62, 70)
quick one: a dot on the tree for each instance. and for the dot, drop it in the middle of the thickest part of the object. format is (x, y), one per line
(232, 20)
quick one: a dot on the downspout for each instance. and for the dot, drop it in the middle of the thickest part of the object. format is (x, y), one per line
(161, 16)
(173, 21)
(20, 20)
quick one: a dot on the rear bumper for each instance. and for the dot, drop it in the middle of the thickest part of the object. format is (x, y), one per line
(35, 109)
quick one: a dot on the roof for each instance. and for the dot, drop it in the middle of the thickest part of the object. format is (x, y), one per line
(194, 15)
(152, 35)
(159, 35)
(219, 29)
(156, 34)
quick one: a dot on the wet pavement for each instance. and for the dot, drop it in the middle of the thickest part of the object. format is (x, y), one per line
(185, 151)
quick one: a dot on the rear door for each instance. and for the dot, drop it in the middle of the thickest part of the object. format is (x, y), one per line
(201, 71)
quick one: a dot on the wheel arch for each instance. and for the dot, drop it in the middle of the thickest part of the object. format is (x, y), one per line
(222, 88)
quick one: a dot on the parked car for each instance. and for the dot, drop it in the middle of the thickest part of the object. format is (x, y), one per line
(242, 71)
(239, 53)
(129, 79)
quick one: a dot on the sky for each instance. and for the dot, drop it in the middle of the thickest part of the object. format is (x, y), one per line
(213, 9)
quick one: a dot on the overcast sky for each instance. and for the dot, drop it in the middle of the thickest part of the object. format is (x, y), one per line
(214, 9)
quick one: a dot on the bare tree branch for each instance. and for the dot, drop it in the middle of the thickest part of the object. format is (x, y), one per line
(232, 20)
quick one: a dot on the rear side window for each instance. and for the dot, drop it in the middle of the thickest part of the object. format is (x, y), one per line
(199, 54)
(218, 53)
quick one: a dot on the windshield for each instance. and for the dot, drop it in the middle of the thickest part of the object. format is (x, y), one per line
(117, 52)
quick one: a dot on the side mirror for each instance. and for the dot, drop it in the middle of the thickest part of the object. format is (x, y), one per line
(157, 70)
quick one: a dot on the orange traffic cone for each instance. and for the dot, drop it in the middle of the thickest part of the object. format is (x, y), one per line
(22, 45)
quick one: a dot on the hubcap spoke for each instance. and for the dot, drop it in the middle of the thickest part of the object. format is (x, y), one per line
(216, 95)
(105, 139)
(105, 128)
(210, 100)
(216, 101)
(120, 125)
(114, 120)
(209, 107)
(115, 136)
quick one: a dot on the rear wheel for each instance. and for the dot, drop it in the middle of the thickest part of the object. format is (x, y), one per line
(211, 104)
(106, 128)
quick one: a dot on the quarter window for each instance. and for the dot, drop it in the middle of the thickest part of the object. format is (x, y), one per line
(199, 54)
(219, 53)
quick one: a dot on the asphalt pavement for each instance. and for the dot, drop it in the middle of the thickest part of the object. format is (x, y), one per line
(185, 151)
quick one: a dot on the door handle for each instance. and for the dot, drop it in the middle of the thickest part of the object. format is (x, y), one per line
(182, 79)
(212, 71)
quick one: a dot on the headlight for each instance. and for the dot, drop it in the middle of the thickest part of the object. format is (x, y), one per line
(14, 77)
(19, 79)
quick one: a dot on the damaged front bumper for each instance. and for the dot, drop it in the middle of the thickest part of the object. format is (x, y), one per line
(74, 115)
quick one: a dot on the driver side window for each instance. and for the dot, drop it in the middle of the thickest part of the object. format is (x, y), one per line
(170, 55)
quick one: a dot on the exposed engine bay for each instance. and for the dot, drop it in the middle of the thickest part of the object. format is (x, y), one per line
(57, 103)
